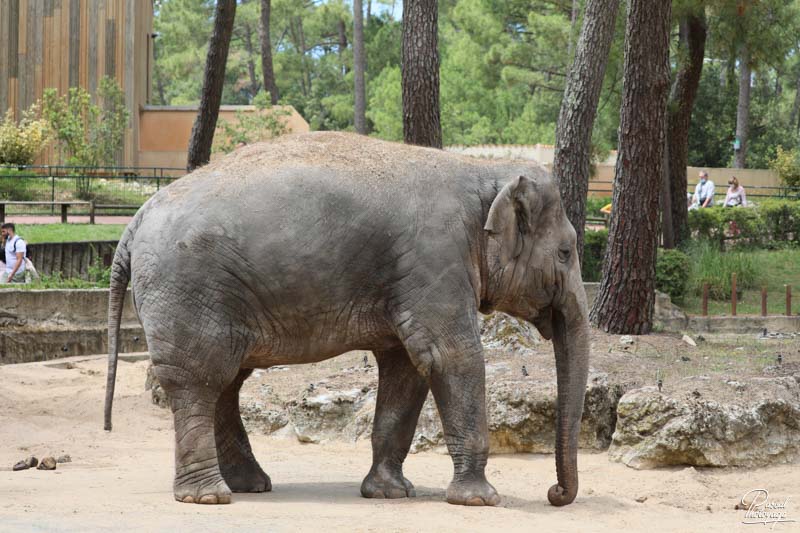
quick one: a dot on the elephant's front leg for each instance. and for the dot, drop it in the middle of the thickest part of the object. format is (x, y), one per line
(452, 355)
(401, 393)
(237, 463)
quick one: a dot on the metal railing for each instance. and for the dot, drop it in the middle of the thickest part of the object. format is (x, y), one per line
(126, 187)
(601, 188)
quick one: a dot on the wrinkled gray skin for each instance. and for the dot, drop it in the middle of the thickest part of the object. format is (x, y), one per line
(313, 245)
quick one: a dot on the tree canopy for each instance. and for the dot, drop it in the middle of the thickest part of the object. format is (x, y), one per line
(503, 68)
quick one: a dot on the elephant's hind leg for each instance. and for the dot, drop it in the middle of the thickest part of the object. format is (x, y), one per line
(236, 461)
(194, 391)
(401, 393)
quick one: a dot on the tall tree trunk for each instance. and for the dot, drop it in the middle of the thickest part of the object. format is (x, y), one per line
(251, 63)
(266, 53)
(743, 108)
(342, 30)
(213, 80)
(691, 50)
(420, 74)
(626, 297)
(796, 105)
(579, 108)
(359, 66)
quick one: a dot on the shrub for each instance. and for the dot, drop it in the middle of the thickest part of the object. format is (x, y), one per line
(90, 134)
(21, 142)
(773, 221)
(712, 266)
(260, 125)
(594, 251)
(781, 219)
(787, 164)
(673, 270)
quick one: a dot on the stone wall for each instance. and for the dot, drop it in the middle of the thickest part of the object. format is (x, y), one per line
(39, 325)
(71, 259)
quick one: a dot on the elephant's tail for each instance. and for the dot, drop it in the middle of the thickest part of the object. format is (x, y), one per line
(120, 276)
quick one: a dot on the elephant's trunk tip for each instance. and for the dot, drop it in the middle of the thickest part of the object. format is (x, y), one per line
(558, 495)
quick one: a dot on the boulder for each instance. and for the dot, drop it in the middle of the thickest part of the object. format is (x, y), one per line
(521, 412)
(521, 415)
(752, 422)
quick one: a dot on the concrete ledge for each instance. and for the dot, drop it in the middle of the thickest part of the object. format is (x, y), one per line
(25, 345)
(23, 307)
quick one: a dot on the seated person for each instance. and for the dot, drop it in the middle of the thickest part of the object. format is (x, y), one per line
(736, 196)
(704, 192)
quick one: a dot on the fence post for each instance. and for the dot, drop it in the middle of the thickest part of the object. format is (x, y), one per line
(91, 211)
(733, 294)
(705, 299)
(764, 301)
(788, 300)
(64, 213)
(2, 213)
(52, 193)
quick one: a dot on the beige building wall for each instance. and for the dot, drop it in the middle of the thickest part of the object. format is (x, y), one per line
(165, 131)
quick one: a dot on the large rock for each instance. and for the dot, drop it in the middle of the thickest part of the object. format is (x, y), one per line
(752, 423)
(522, 412)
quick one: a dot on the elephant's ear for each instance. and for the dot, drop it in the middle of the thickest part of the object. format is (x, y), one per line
(509, 220)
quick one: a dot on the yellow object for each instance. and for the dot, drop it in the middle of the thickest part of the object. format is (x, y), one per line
(606, 209)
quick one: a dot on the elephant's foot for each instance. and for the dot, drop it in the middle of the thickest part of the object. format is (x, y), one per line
(472, 492)
(206, 491)
(246, 478)
(383, 483)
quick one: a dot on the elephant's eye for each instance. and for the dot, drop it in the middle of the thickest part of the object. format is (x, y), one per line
(563, 253)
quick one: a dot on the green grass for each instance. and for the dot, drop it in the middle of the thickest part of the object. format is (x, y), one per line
(773, 269)
(36, 233)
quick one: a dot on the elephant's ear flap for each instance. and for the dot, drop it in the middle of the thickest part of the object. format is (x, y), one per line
(506, 220)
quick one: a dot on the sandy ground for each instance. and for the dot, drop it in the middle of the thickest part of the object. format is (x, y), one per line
(122, 480)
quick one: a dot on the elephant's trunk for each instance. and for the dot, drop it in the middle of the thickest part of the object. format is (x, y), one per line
(571, 346)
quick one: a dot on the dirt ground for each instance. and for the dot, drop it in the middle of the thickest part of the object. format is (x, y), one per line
(122, 480)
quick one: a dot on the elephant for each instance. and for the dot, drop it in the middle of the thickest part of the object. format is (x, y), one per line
(308, 246)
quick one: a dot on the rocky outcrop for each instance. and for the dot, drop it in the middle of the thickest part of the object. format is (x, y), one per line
(521, 413)
(757, 424)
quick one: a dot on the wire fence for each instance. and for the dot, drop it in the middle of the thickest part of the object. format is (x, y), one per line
(119, 189)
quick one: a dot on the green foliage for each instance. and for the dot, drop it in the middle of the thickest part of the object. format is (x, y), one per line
(787, 164)
(781, 219)
(57, 281)
(772, 221)
(712, 266)
(594, 204)
(594, 251)
(14, 185)
(266, 122)
(89, 133)
(673, 270)
(21, 142)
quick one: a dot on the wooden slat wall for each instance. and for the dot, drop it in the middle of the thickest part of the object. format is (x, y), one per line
(67, 43)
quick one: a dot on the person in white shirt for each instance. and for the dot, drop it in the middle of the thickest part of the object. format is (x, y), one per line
(15, 255)
(704, 192)
(736, 196)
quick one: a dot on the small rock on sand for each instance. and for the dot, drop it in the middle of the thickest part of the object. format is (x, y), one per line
(25, 464)
(48, 463)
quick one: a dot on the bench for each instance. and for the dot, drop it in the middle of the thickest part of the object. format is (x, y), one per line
(65, 205)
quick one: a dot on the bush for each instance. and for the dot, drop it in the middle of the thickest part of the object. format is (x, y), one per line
(90, 134)
(264, 123)
(21, 142)
(594, 204)
(773, 221)
(594, 251)
(673, 270)
(787, 164)
(781, 219)
(711, 265)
